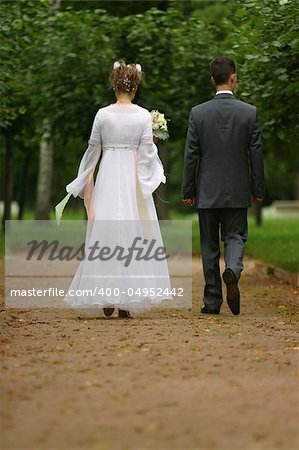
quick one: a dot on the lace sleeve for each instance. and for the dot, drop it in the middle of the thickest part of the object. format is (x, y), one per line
(149, 166)
(82, 185)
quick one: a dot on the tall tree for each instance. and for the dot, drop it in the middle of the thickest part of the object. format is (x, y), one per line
(18, 33)
(266, 47)
(71, 75)
(46, 154)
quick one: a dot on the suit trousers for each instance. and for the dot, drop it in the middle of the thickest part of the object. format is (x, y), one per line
(232, 222)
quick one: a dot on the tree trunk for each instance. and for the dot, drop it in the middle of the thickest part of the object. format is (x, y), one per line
(22, 198)
(8, 177)
(54, 6)
(45, 173)
(46, 155)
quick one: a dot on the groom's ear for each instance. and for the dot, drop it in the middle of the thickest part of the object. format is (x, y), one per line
(213, 81)
(233, 79)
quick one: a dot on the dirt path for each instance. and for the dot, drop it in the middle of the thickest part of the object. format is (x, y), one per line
(165, 380)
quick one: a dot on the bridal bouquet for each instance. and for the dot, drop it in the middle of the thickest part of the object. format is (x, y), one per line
(160, 129)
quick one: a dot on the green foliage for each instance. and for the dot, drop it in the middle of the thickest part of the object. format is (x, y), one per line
(71, 66)
(19, 26)
(117, 8)
(57, 66)
(266, 46)
(174, 82)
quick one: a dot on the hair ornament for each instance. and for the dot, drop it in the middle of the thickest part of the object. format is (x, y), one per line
(138, 67)
(116, 65)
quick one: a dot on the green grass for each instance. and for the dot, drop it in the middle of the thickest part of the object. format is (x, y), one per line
(68, 214)
(276, 242)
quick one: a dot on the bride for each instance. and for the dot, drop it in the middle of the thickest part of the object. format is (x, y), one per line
(120, 208)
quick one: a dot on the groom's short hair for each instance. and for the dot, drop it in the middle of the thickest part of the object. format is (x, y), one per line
(221, 69)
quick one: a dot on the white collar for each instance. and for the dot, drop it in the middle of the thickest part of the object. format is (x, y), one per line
(224, 92)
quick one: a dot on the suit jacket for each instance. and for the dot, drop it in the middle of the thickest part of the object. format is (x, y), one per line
(223, 162)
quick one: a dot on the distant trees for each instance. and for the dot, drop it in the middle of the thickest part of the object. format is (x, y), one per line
(266, 46)
(54, 77)
(19, 27)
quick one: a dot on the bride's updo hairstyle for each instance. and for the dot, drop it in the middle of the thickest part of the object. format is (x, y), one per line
(125, 77)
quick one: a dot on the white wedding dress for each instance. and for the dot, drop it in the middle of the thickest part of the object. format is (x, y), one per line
(120, 207)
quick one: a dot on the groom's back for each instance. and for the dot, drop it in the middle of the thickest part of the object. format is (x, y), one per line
(224, 126)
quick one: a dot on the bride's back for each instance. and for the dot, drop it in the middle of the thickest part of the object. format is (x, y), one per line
(122, 124)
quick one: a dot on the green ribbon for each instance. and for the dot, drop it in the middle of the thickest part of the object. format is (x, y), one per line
(60, 207)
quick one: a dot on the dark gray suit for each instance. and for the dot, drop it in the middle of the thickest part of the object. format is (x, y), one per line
(223, 167)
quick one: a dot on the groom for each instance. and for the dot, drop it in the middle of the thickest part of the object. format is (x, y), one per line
(223, 168)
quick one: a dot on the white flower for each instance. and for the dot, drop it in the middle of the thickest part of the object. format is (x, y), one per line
(159, 124)
(138, 67)
(116, 65)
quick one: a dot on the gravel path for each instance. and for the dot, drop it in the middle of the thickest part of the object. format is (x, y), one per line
(170, 379)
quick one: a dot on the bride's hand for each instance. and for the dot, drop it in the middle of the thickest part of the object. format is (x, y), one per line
(90, 214)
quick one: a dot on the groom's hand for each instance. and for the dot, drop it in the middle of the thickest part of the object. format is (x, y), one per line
(189, 201)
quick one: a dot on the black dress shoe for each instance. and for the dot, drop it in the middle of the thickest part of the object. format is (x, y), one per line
(205, 310)
(232, 291)
(124, 314)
